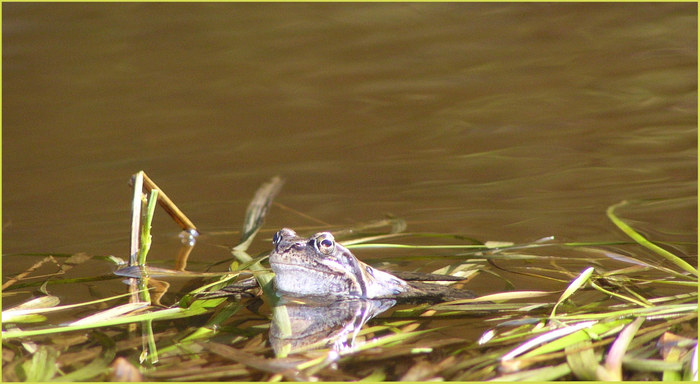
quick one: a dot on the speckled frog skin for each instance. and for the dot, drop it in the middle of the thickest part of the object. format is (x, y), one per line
(319, 266)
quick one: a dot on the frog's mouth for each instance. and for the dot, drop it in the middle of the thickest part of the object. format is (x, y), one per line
(305, 267)
(296, 279)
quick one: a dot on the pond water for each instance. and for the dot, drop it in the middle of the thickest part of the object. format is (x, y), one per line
(508, 122)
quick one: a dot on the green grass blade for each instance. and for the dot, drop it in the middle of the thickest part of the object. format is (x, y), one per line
(621, 297)
(582, 360)
(657, 311)
(42, 366)
(149, 349)
(95, 367)
(111, 313)
(546, 337)
(10, 315)
(612, 370)
(407, 246)
(580, 335)
(641, 240)
(579, 282)
(165, 314)
(146, 227)
(539, 374)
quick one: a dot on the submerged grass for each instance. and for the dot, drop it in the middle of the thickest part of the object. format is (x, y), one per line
(604, 320)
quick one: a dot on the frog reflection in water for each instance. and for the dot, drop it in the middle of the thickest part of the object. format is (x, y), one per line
(318, 266)
(334, 294)
(304, 325)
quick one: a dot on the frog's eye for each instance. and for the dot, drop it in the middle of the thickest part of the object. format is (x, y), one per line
(325, 243)
(276, 238)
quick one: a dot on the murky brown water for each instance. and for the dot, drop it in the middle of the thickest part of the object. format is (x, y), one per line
(496, 121)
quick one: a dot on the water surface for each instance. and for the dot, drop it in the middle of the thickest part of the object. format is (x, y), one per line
(495, 121)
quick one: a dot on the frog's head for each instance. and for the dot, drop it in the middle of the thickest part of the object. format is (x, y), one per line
(314, 266)
(319, 266)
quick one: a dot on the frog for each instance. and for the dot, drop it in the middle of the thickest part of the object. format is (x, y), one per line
(320, 266)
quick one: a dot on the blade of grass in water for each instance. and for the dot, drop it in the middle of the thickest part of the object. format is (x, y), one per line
(39, 303)
(165, 314)
(76, 280)
(659, 311)
(222, 315)
(149, 350)
(612, 370)
(557, 340)
(98, 365)
(397, 226)
(42, 366)
(407, 246)
(582, 360)
(641, 302)
(136, 216)
(552, 335)
(539, 374)
(257, 209)
(138, 272)
(513, 295)
(254, 219)
(146, 228)
(111, 313)
(8, 315)
(575, 285)
(636, 236)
